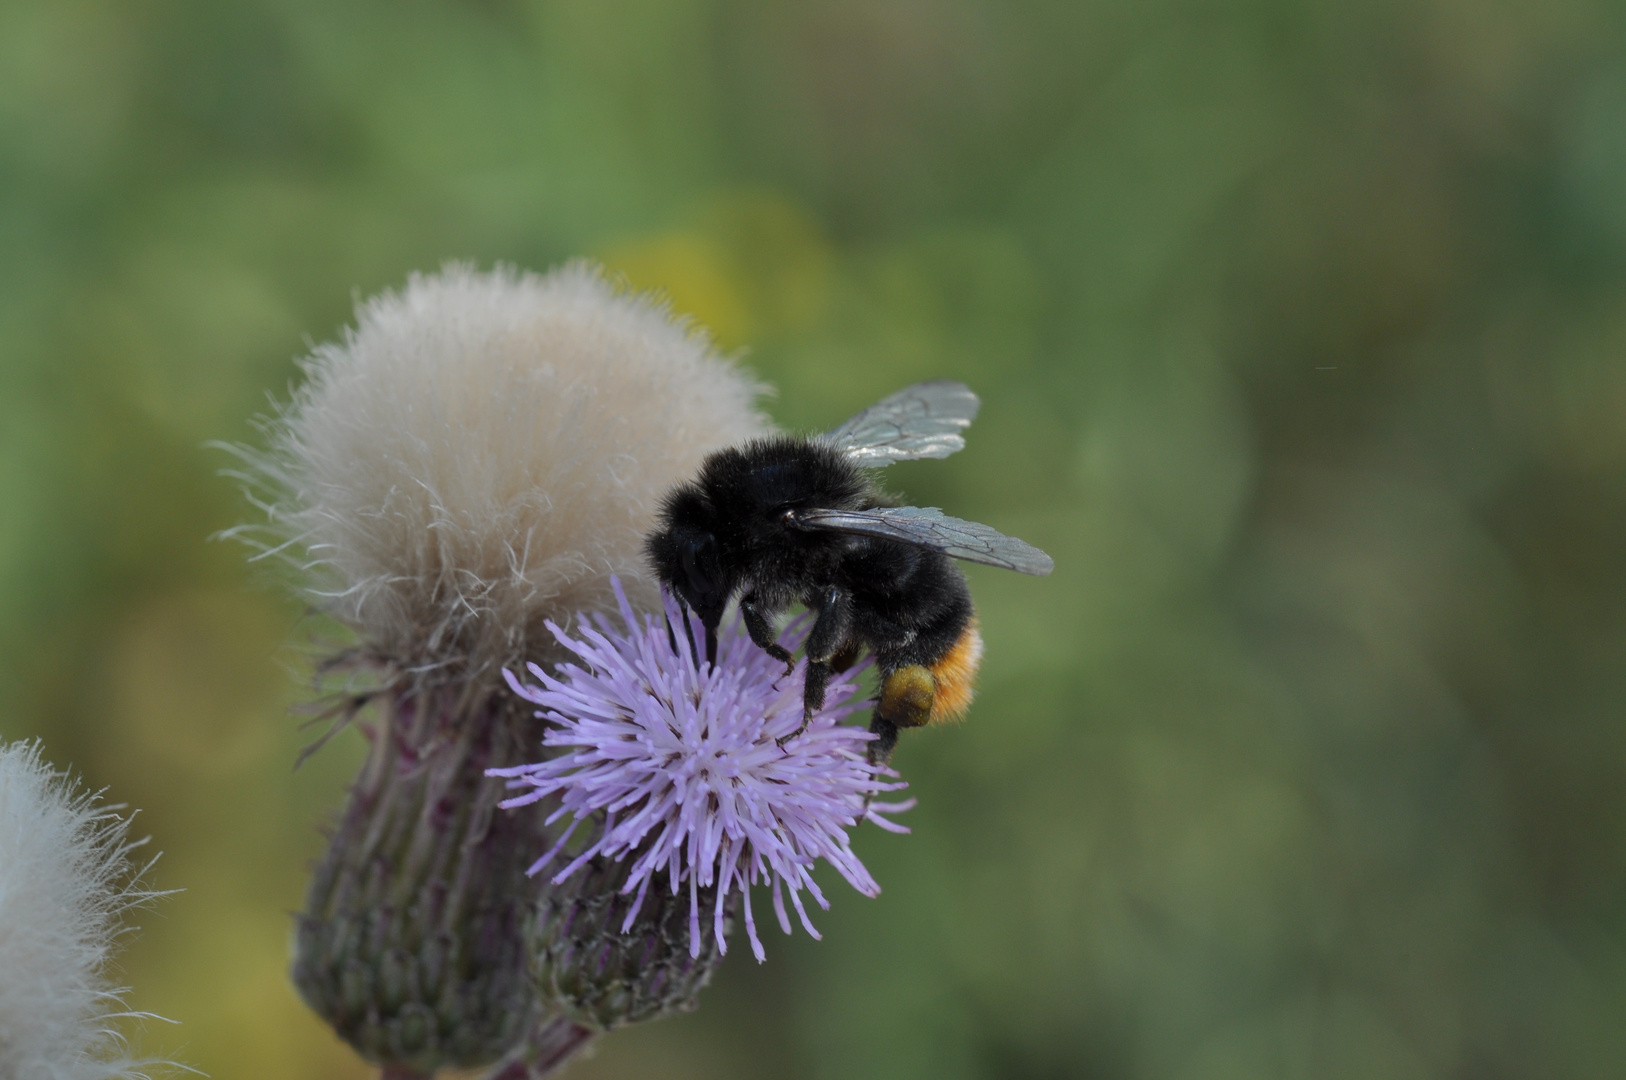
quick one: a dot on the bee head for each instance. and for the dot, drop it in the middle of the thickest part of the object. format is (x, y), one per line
(686, 555)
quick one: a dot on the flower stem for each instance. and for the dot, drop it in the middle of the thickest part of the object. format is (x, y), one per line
(552, 1043)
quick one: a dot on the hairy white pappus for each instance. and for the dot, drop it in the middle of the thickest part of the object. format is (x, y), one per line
(66, 882)
(483, 451)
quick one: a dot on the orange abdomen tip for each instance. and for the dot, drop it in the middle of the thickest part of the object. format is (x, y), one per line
(956, 676)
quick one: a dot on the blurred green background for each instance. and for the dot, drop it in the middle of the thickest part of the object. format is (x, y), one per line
(1300, 332)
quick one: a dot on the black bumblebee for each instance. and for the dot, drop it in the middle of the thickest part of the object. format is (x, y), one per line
(793, 519)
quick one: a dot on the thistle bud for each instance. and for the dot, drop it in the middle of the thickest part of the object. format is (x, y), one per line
(411, 944)
(478, 456)
(595, 967)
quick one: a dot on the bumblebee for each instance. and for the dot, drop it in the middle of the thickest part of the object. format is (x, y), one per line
(795, 519)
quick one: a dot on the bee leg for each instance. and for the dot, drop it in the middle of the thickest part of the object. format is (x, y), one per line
(832, 631)
(907, 694)
(818, 677)
(761, 630)
(885, 741)
(846, 656)
(879, 751)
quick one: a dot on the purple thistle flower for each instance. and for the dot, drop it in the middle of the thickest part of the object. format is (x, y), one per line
(681, 760)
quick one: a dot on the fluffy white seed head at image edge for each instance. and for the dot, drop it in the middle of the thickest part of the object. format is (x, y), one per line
(65, 887)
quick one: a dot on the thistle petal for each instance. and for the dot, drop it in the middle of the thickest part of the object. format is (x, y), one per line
(682, 767)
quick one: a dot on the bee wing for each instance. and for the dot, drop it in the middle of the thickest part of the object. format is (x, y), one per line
(929, 527)
(919, 421)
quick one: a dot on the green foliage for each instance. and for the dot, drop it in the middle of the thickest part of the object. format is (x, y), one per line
(1299, 329)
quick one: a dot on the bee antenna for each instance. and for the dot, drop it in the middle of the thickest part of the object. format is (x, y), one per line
(688, 632)
(671, 635)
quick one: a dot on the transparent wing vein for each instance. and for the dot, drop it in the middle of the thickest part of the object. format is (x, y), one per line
(929, 527)
(920, 421)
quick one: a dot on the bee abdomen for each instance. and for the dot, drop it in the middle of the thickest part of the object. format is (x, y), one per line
(956, 676)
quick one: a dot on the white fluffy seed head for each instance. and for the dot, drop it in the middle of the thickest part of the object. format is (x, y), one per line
(484, 450)
(65, 883)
